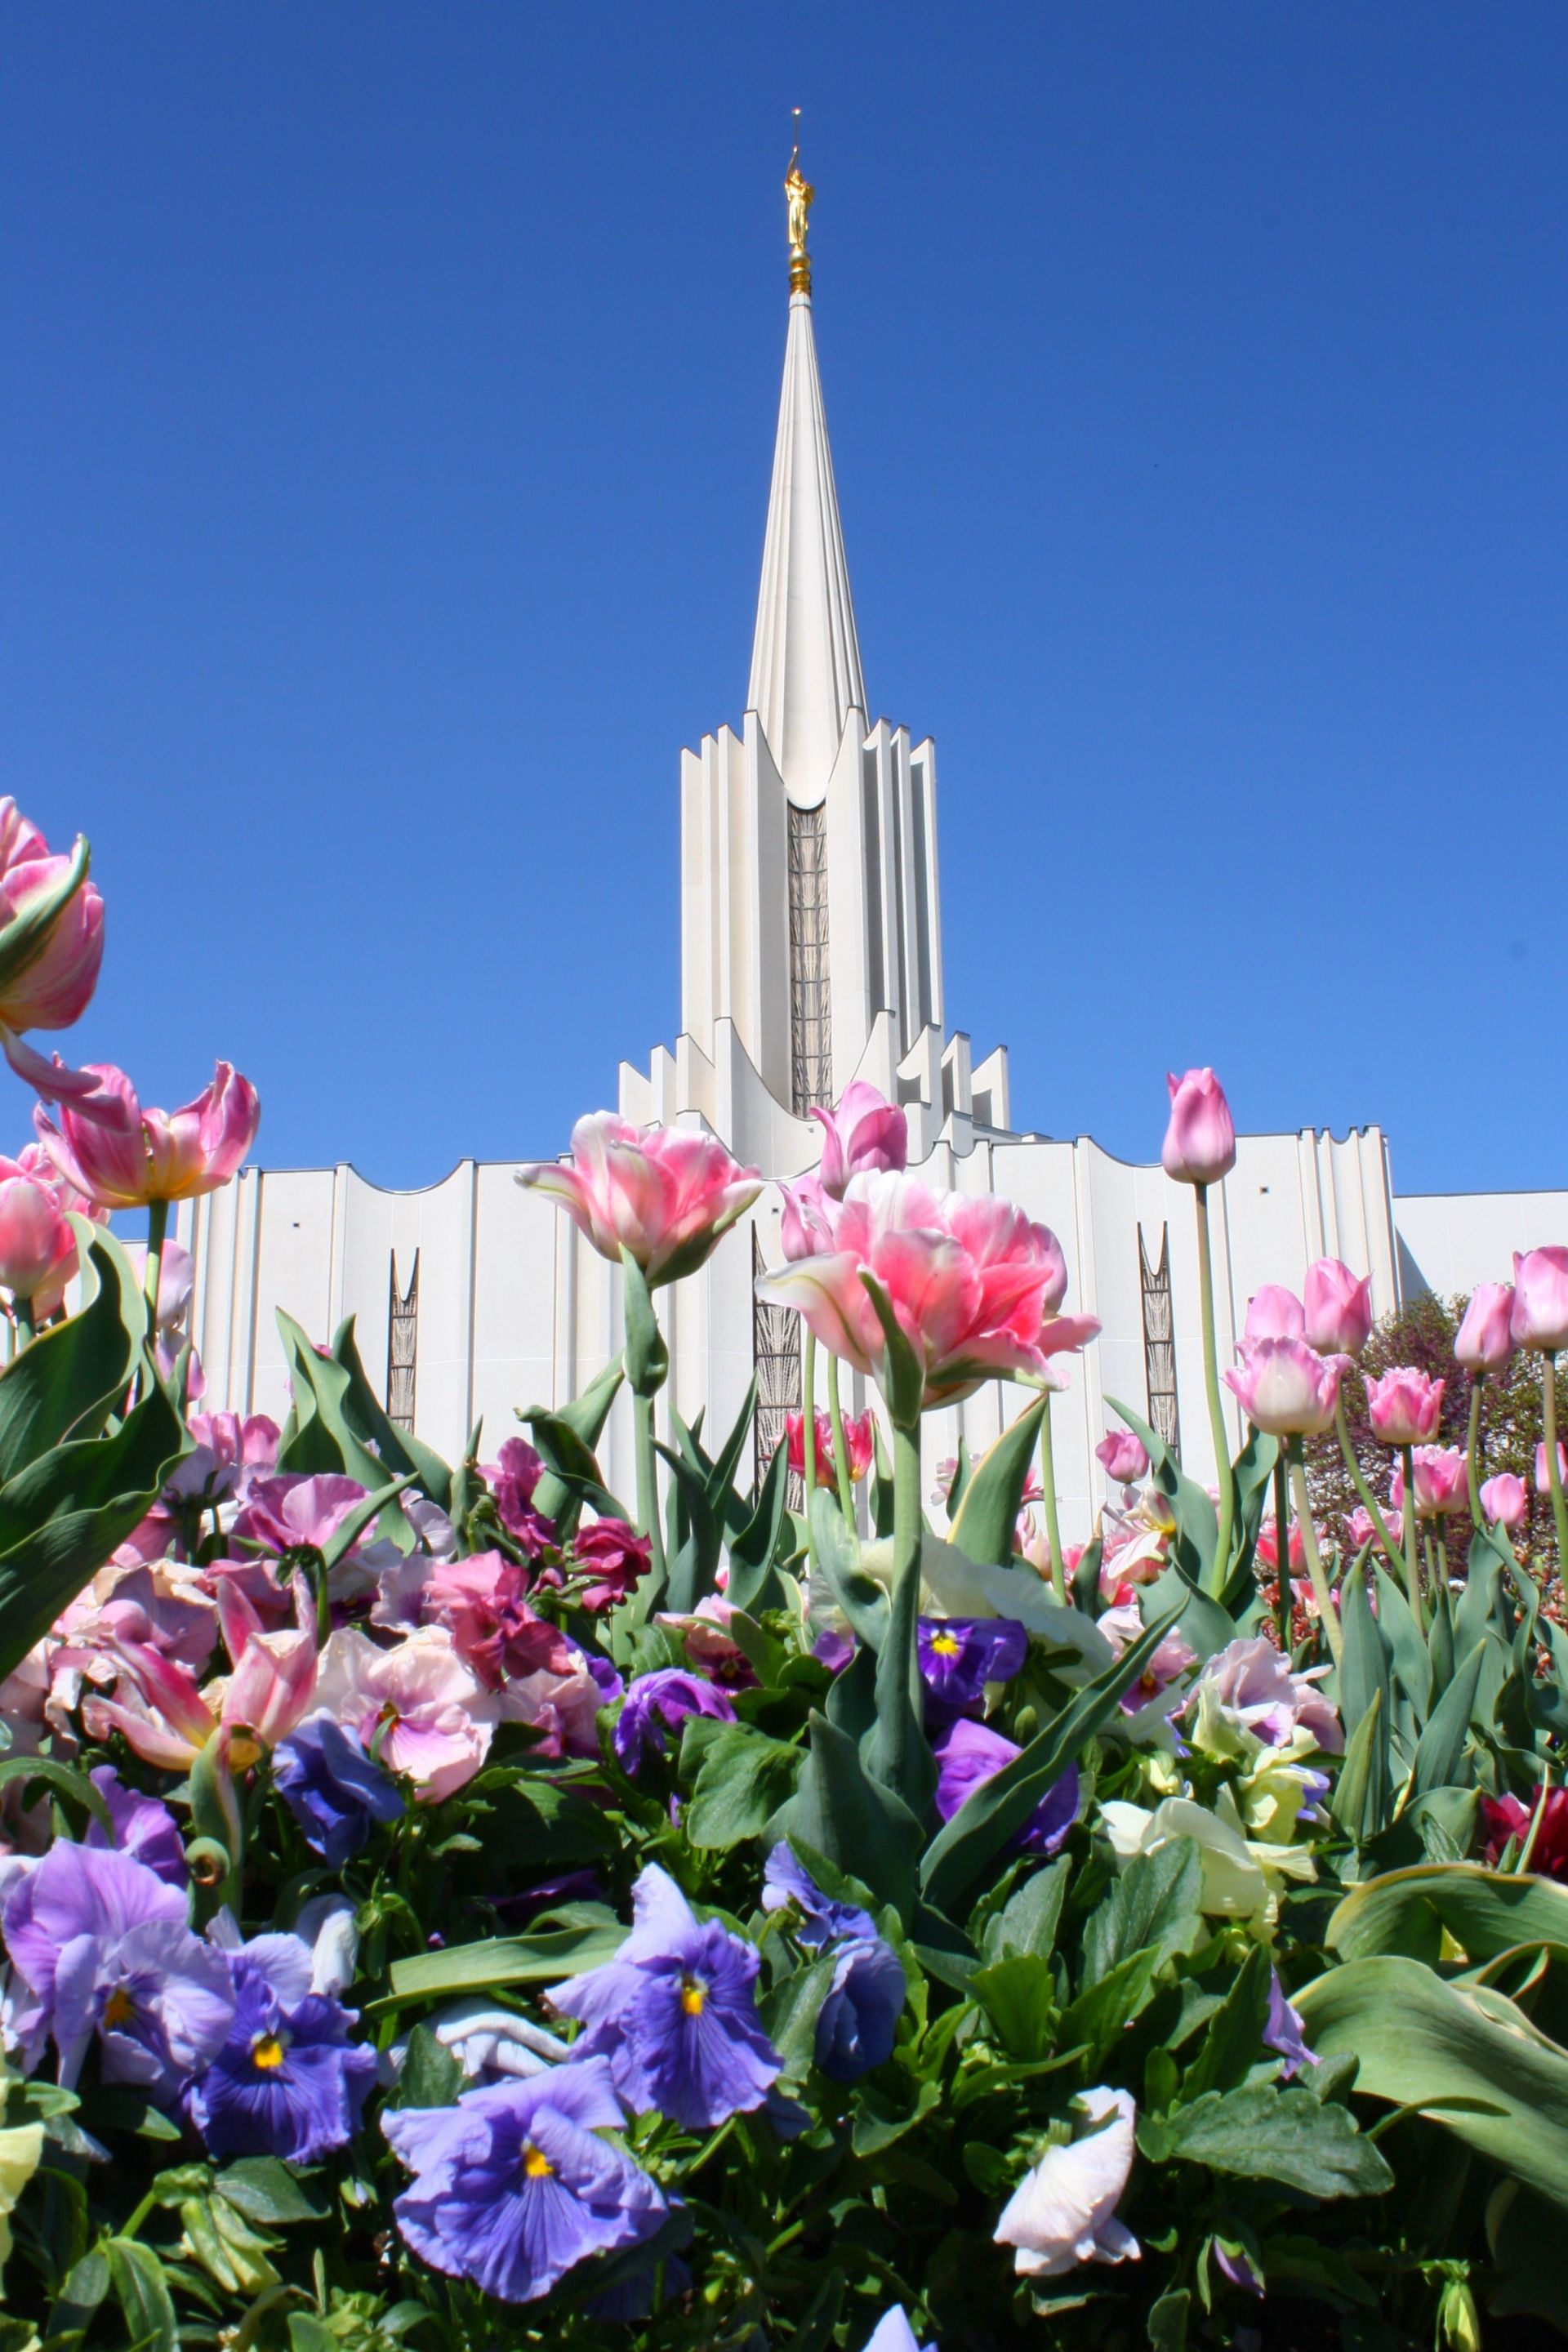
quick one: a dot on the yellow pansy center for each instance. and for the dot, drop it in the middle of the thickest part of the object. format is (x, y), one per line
(267, 2052)
(693, 1996)
(536, 2165)
(946, 1646)
(119, 2009)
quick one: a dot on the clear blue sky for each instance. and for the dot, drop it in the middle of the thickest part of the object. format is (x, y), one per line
(387, 400)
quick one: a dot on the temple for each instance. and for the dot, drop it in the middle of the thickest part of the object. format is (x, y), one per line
(811, 954)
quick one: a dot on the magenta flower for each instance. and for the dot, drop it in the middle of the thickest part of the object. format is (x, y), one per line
(231, 1453)
(513, 2185)
(417, 1708)
(968, 1278)
(1504, 1501)
(123, 1156)
(38, 1248)
(167, 1718)
(612, 1556)
(1274, 1313)
(664, 1194)
(1485, 1341)
(288, 2082)
(511, 1479)
(1123, 1457)
(99, 1944)
(291, 1513)
(1200, 1142)
(1338, 1308)
(654, 1703)
(480, 1601)
(863, 1134)
(1284, 1388)
(1404, 1406)
(55, 986)
(1539, 1319)
(674, 2012)
(860, 1445)
(970, 1754)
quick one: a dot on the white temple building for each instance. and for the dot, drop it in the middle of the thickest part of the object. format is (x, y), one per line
(811, 954)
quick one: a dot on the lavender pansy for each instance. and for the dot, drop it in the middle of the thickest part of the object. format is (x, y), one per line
(142, 1828)
(288, 2082)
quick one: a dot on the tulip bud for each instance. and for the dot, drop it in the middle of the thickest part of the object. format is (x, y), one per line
(1200, 1142)
(1458, 2322)
(1539, 1316)
(1274, 1313)
(1504, 1502)
(1338, 1308)
(1485, 1342)
(1123, 1457)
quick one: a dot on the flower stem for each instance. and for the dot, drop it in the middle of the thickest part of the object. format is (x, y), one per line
(1282, 1542)
(1553, 1467)
(808, 1433)
(1365, 1495)
(648, 1484)
(1412, 1546)
(1327, 1613)
(1224, 1480)
(27, 1321)
(1048, 1488)
(1472, 1448)
(157, 1233)
(840, 1451)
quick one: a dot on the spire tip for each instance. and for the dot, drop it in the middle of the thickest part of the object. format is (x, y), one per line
(798, 195)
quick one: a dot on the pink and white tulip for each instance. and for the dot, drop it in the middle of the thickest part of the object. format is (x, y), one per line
(1485, 1341)
(1274, 1313)
(123, 1156)
(967, 1276)
(429, 1715)
(1441, 1482)
(1539, 1319)
(664, 1194)
(38, 1248)
(1338, 1306)
(1200, 1142)
(55, 987)
(1404, 1406)
(1505, 1502)
(862, 1135)
(1284, 1389)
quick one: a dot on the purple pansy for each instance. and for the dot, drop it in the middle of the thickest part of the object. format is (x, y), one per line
(970, 1754)
(142, 1828)
(857, 2020)
(99, 1944)
(1285, 2030)
(288, 2080)
(610, 1684)
(674, 2012)
(959, 1656)
(834, 1650)
(654, 1704)
(333, 1790)
(512, 2187)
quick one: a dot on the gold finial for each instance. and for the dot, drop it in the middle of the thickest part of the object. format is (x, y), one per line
(798, 191)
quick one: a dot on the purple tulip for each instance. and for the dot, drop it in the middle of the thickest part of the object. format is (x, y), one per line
(674, 2012)
(959, 1656)
(971, 1754)
(288, 2082)
(654, 1705)
(513, 2187)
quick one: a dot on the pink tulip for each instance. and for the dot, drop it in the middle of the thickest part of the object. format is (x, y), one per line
(1485, 1341)
(167, 1720)
(1504, 1501)
(863, 1134)
(805, 1230)
(428, 1713)
(176, 1280)
(1441, 1482)
(1539, 1316)
(38, 1248)
(1338, 1308)
(1404, 1406)
(55, 987)
(665, 1195)
(1123, 1457)
(967, 1276)
(124, 1157)
(34, 1161)
(1274, 1313)
(860, 1445)
(1284, 1388)
(1544, 1474)
(1200, 1142)
(1359, 1528)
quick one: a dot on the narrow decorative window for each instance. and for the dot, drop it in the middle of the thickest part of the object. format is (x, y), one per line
(810, 1011)
(776, 1357)
(1159, 1341)
(402, 1346)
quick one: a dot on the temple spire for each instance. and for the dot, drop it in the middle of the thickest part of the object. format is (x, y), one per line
(805, 656)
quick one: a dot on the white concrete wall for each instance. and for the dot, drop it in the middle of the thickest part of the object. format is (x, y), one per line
(1450, 1241)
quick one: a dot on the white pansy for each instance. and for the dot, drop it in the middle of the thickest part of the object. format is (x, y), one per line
(893, 2333)
(1063, 2213)
(327, 1924)
(485, 2039)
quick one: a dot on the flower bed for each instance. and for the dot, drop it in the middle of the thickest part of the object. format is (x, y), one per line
(451, 1905)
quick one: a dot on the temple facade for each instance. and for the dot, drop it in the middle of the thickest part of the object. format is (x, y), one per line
(811, 954)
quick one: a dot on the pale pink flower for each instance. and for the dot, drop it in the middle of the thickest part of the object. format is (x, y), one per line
(124, 1157)
(291, 1512)
(38, 1248)
(1274, 1313)
(1256, 1687)
(1338, 1307)
(1539, 1319)
(1404, 1406)
(1543, 1475)
(1284, 1389)
(231, 1453)
(1359, 1530)
(1504, 1501)
(167, 1718)
(863, 1134)
(429, 1716)
(55, 987)
(1123, 1457)
(1485, 1341)
(1200, 1142)
(1441, 1480)
(177, 1279)
(967, 1276)
(563, 1708)
(803, 1227)
(664, 1194)
(1173, 1657)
